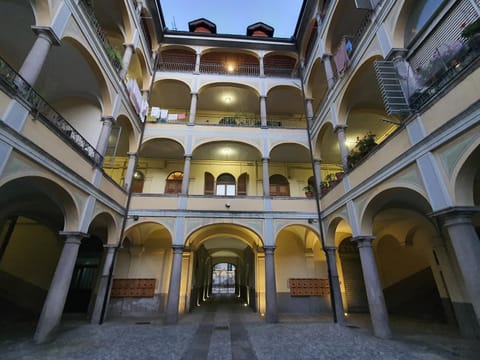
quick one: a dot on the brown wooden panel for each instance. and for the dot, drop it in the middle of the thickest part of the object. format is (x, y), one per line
(309, 287)
(133, 288)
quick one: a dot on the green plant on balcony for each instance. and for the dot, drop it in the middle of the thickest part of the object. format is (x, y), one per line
(309, 191)
(361, 149)
(471, 34)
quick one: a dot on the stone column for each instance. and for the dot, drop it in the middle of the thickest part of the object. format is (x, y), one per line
(376, 301)
(266, 178)
(327, 64)
(262, 67)
(335, 284)
(103, 285)
(132, 160)
(33, 63)
(57, 293)
(263, 111)
(102, 142)
(466, 245)
(309, 113)
(127, 58)
(171, 313)
(193, 109)
(197, 63)
(271, 286)
(186, 174)
(340, 130)
(317, 171)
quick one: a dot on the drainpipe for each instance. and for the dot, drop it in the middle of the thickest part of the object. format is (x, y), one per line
(317, 197)
(129, 197)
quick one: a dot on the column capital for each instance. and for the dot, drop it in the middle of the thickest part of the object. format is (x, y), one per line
(456, 214)
(330, 249)
(317, 161)
(262, 97)
(194, 93)
(326, 57)
(132, 154)
(110, 246)
(73, 237)
(363, 240)
(340, 127)
(269, 249)
(187, 156)
(265, 159)
(308, 99)
(397, 53)
(129, 45)
(47, 33)
(108, 118)
(177, 249)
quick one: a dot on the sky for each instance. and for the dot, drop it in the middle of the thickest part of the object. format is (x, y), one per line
(233, 16)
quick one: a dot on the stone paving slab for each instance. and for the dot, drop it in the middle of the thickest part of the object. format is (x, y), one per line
(294, 337)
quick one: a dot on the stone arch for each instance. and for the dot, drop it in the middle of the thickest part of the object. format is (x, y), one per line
(201, 233)
(317, 84)
(337, 230)
(47, 190)
(105, 227)
(399, 197)
(466, 177)
(105, 98)
(244, 143)
(214, 83)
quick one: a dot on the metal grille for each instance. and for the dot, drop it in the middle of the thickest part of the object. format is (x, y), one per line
(445, 33)
(389, 82)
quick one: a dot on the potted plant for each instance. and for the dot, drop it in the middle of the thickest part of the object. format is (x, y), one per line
(309, 191)
(332, 180)
(361, 149)
(471, 33)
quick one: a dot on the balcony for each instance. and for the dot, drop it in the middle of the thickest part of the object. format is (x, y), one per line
(14, 85)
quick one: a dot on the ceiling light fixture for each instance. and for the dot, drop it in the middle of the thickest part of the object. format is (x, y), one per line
(230, 68)
(227, 99)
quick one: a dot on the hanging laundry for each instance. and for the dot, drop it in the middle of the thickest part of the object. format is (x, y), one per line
(341, 58)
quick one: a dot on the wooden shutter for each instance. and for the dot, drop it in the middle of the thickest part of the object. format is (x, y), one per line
(242, 184)
(209, 184)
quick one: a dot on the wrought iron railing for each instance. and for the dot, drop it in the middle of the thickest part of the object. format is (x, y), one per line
(225, 69)
(464, 60)
(176, 66)
(13, 84)
(111, 52)
(271, 71)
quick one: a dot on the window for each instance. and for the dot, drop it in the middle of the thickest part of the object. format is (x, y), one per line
(225, 185)
(279, 186)
(419, 16)
(173, 184)
(242, 184)
(209, 184)
(137, 183)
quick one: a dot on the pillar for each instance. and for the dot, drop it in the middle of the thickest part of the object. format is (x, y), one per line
(186, 174)
(318, 174)
(263, 111)
(262, 67)
(33, 63)
(132, 160)
(103, 284)
(270, 284)
(327, 64)
(127, 58)
(465, 243)
(266, 177)
(193, 109)
(309, 111)
(335, 284)
(171, 313)
(376, 301)
(197, 63)
(57, 293)
(340, 130)
(102, 143)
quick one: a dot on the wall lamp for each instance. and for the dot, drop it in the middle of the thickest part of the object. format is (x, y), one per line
(312, 221)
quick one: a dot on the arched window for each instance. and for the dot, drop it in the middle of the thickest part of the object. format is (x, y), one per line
(173, 184)
(225, 185)
(242, 184)
(279, 185)
(138, 181)
(209, 184)
(419, 16)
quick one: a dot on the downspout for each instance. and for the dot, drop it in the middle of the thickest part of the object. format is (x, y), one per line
(129, 197)
(317, 196)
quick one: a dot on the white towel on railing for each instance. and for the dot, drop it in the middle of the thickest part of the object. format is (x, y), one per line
(163, 114)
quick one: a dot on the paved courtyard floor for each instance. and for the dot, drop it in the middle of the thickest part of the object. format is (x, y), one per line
(226, 330)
